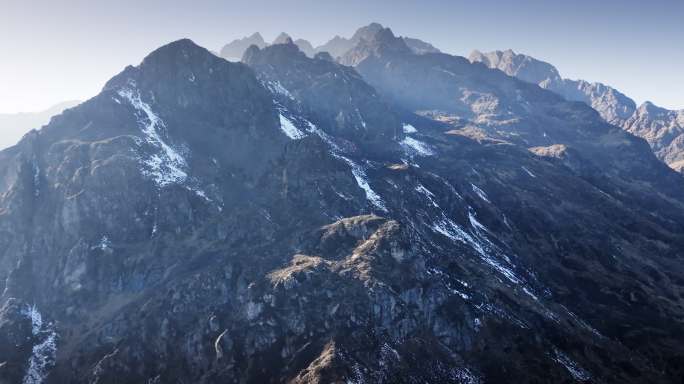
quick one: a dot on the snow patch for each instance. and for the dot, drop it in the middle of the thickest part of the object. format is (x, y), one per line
(464, 376)
(475, 223)
(44, 352)
(414, 146)
(447, 72)
(288, 127)
(357, 171)
(479, 243)
(408, 128)
(36, 179)
(500, 313)
(104, 244)
(572, 367)
(528, 172)
(361, 120)
(429, 195)
(362, 181)
(166, 166)
(480, 192)
(276, 88)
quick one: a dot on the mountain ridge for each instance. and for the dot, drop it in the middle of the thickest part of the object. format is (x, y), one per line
(663, 131)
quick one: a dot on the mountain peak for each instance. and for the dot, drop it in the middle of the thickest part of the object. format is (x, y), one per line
(380, 43)
(176, 53)
(366, 32)
(283, 38)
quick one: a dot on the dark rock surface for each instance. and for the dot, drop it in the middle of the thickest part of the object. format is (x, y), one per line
(416, 218)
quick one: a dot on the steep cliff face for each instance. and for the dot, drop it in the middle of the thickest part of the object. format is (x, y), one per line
(283, 220)
(661, 128)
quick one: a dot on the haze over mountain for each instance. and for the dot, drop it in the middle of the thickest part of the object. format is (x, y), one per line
(14, 125)
(662, 128)
(336, 47)
(64, 51)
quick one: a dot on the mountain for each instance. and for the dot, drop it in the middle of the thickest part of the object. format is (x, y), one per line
(413, 218)
(233, 51)
(14, 125)
(663, 129)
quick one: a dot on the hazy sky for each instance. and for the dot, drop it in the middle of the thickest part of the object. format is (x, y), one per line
(55, 50)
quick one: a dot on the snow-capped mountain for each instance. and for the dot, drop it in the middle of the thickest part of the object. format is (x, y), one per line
(404, 218)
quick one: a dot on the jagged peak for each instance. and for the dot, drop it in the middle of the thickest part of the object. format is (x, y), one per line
(180, 58)
(386, 39)
(367, 31)
(283, 38)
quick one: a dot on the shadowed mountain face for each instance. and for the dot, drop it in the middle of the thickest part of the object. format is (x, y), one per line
(415, 218)
(662, 128)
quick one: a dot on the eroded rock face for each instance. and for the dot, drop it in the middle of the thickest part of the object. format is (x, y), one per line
(283, 220)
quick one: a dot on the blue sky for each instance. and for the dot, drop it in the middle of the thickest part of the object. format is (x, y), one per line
(68, 49)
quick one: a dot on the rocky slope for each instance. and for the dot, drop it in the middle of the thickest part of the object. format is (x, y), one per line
(295, 220)
(663, 129)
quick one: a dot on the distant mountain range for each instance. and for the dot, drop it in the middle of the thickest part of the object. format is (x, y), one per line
(662, 128)
(336, 47)
(14, 125)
